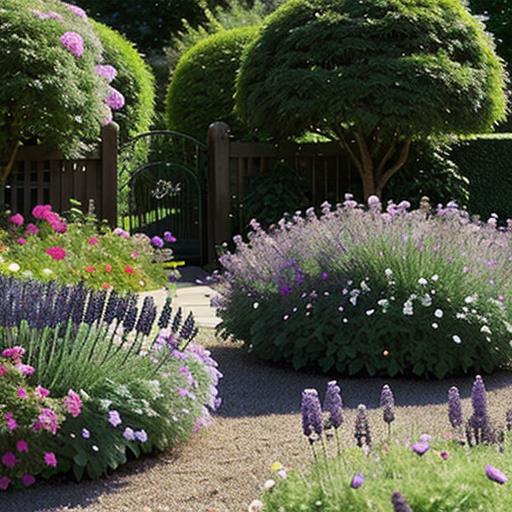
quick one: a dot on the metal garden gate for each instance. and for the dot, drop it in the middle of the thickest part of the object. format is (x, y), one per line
(163, 188)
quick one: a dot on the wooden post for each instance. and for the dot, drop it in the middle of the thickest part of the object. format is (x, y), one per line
(219, 197)
(109, 150)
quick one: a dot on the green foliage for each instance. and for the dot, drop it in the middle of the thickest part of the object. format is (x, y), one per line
(429, 483)
(45, 91)
(417, 67)
(203, 84)
(134, 80)
(486, 162)
(274, 193)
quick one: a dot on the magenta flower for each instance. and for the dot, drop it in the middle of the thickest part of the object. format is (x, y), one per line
(10, 422)
(76, 10)
(56, 252)
(27, 480)
(106, 71)
(41, 211)
(4, 483)
(25, 369)
(50, 459)
(17, 219)
(47, 420)
(9, 460)
(3, 371)
(22, 446)
(15, 353)
(32, 229)
(74, 43)
(444, 455)
(169, 237)
(495, 474)
(42, 392)
(357, 481)
(115, 100)
(73, 403)
(22, 393)
(21, 241)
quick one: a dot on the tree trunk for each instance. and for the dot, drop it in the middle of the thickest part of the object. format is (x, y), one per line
(7, 159)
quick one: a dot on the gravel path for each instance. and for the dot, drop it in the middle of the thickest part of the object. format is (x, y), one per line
(221, 470)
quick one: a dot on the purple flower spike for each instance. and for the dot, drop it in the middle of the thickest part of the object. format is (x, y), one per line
(311, 414)
(333, 405)
(400, 503)
(357, 481)
(420, 448)
(480, 418)
(495, 474)
(454, 407)
(362, 428)
(387, 402)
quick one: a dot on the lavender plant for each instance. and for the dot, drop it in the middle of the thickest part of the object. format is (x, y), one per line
(378, 290)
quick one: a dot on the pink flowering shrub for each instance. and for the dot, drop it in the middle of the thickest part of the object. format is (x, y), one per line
(49, 247)
(377, 290)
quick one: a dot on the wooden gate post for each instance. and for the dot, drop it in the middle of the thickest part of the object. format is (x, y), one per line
(109, 151)
(218, 198)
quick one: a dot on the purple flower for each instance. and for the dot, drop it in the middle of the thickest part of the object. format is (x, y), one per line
(495, 474)
(169, 237)
(333, 405)
(311, 414)
(114, 418)
(115, 100)
(129, 434)
(106, 71)
(85, 433)
(387, 402)
(362, 427)
(141, 436)
(74, 43)
(325, 276)
(454, 407)
(357, 481)
(77, 10)
(400, 503)
(27, 480)
(420, 448)
(157, 242)
(480, 418)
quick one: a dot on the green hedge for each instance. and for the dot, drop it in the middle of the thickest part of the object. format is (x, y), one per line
(487, 162)
(203, 84)
(134, 80)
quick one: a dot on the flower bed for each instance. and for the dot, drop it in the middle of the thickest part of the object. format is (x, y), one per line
(74, 251)
(460, 471)
(87, 383)
(378, 291)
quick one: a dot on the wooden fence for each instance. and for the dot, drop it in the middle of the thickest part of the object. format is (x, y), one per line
(328, 174)
(42, 176)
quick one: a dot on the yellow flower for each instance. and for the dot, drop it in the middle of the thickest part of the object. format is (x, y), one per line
(277, 466)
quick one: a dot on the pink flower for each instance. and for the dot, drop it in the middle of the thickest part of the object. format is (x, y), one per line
(134, 255)
(3, 370)
(115, 100)
(108, 268)
(22, 393)
(121, 232)
(78, 11)
(90, 269)
(56, 252)
(17, 219)
(74, 43)
(107, 72)
(28, 480)
(25, 369)
(15, 353)
(22, 446)
(50, 459)
(42, 392)
(10, 421)
(4, 483)
(32, 229)
(56, 222)
(73, 403)
(9, 460)
(129, 270)
(21, 241)
(47, 420)
(40, 211)
(93, 240)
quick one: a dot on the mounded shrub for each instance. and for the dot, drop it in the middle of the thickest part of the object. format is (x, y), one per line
(364, 292)
(486, 161)
(203, 84)
(134, 80)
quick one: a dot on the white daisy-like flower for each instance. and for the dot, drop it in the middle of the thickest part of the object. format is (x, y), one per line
(435, 325)
(388, 272)
(256, 305)
(438, 313)
(435, 278)
(269, 484)
(422, 281)
(13, 267)
(456, 339)
(485, 329)
(370, 312)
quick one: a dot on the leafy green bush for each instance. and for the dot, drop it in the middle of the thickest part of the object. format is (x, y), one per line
(373, 76)
(50, 248)
(372, 292)
(134, 80)
(486, 162)
(203, 85)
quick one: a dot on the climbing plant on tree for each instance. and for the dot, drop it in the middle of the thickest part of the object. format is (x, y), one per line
(373, 76)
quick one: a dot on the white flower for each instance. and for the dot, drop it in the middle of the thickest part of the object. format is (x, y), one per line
(370, 312)
(256, 305)
(255, 506)
(438, 313)
(456, 339)
(384, 303)
(408, 309)
(485, 329)
(13, 267)
(27, 273)
(422, 281)
(426, 300)
(345, 320)
(435, 325)
(269, 484)
(388, 272)
(470, 299)
(435, 278)
(282, 474)
(47, 271)
(353, 300)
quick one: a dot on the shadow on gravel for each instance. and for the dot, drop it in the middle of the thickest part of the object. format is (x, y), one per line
(252, 388)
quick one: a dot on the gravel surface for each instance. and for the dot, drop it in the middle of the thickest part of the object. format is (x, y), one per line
(222, 469)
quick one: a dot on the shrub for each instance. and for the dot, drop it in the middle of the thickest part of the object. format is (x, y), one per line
(355, 291)
(51, 248)
(134, 80)
(485, 162)
(138, 390)
(49, 90)
(372, 76)
(203, 84)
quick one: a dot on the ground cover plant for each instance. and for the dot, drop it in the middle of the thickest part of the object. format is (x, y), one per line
(49, 247)
(92, 379)
(381, 290)
(456, 471)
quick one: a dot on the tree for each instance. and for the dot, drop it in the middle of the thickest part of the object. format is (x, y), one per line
(373, 75)
(49, 90)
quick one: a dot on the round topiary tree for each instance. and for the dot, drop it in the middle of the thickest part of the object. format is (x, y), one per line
(203, 84)
(49, 90)
(134, 79)
(373, 76)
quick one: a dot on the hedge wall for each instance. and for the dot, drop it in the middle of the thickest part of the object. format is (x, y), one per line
(487, 162)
